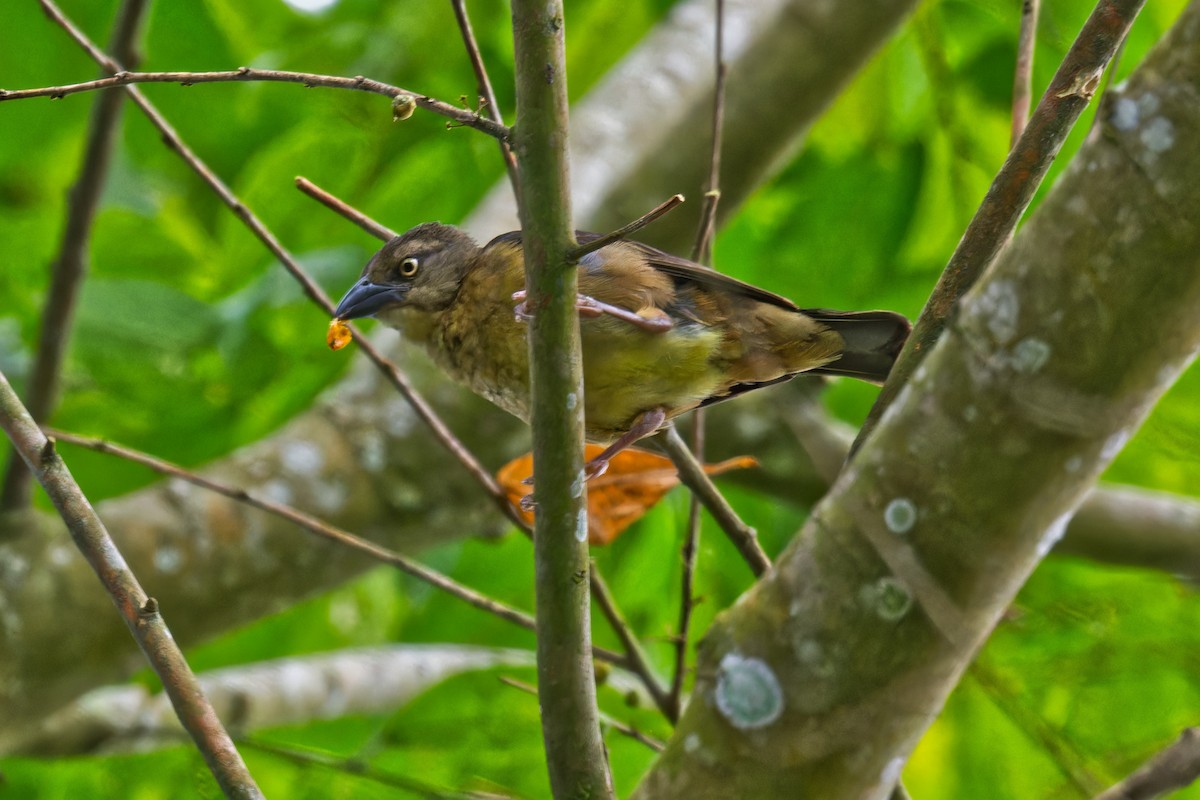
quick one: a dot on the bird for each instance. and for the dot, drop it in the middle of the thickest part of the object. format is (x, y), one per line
(660, 335)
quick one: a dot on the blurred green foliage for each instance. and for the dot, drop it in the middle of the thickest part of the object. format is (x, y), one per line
(191, 341)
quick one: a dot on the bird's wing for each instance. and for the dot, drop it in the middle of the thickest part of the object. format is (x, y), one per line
(678, 269)
(682, 269)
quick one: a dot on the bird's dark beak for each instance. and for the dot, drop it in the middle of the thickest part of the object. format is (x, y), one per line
(366, 299)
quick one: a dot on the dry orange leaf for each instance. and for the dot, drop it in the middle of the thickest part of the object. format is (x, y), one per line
(635, 481)
(338, 335)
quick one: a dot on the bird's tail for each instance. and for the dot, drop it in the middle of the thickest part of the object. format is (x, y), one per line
(873, 340)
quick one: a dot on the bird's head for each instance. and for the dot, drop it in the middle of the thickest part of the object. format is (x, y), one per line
(422, 268)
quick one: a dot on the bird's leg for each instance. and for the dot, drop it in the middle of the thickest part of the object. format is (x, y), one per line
(646, 423)
(588, 306)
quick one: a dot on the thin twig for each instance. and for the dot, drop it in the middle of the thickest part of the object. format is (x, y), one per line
(701, 253)
(638, 663)
(1174, 767)
(58, 312)
(1061, 750)
(310, 287)
(626, 230)
(339, 206)
(1023, 74)
(491, 107)
(620, 727)
(121, 77)
(324, 530)
(692, 475)
(1068, 95)
(140, 612)
(362, 769)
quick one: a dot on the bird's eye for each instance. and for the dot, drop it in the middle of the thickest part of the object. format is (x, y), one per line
(408, 267)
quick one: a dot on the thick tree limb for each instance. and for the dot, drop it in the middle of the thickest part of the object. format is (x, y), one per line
(829, 670)
(268, 694)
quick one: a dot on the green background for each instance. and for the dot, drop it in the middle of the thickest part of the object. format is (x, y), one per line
(191, 341)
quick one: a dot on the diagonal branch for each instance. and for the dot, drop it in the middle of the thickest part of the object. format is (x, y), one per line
(485, 90)
(140, 612)
(1013, 188)
(122, 77)
(1172, 768)
(744, 538)
(58, 313)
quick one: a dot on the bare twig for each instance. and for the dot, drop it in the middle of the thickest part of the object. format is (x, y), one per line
(325, 531)
(612, 722)
(701, 253)
(58, 313)
(1069, 93)
(626, 230)
(636, 656)
(1023, 75)
(360, 768)
(491, 107)
(338, 206)
(691, 548)
(140, 612)
(692, 475)
(310, 287)
(1061, 750)
(121, 77)
(1172, 768)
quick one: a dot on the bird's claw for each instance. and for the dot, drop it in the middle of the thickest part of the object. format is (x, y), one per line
(528, 503)
(590, 308)
(521, 309)
(595, 468)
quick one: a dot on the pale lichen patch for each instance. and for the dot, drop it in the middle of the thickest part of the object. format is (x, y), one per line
(887, 597)
(748, 694)
(900, 515)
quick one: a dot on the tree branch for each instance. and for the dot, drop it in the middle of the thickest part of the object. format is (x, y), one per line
(265, 694)
(993, 224)
(1173, 768)
(485, 90)
(121, 77)
(575, 750)
(58, 313)
(1023, 74)
(140, 612)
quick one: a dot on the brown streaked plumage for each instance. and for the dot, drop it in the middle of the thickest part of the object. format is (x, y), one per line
(660, 335)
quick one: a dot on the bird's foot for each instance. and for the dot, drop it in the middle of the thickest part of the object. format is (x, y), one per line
(590, 307)
(646, 423)
(521, 309)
